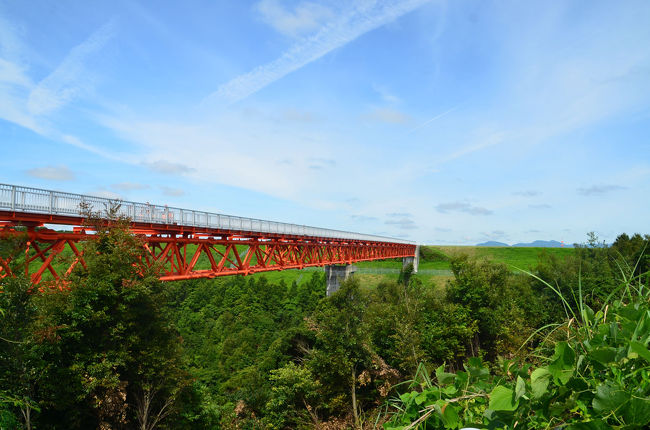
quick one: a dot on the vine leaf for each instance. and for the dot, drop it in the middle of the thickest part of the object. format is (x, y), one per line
(520, 388)
(539, 381)
(502, 399)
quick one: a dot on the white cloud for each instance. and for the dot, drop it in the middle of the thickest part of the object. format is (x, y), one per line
(304, 18)
(13, 74)
(27, 104)
(385, 94)
(401, 223)
(52, 173)
(488, 141)
(388, 116)
(434, 118)
(595, 190)
(361, 18)
(462, 207)
(129, 186)
(106, 194)
(527, 193)
(70, 79)
(173, 192)
(169, 168)
(10, 44)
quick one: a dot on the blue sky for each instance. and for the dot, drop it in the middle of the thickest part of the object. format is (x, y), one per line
(448, 122)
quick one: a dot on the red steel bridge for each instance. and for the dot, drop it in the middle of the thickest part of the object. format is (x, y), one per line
(186, 243)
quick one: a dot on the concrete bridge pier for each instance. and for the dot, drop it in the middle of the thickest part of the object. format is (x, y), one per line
(336, 274)
(412, 260)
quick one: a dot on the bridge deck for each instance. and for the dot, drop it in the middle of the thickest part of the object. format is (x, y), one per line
(185, 243)
(66, 208)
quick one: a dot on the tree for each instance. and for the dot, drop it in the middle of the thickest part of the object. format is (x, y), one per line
(342, 350)
(492, 298)
(113, 346)
(634, 252)
(294, 397)
(20, 360)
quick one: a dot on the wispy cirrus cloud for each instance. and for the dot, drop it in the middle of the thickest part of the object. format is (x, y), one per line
(434, 118)
(30, 104)
(70, 79)
(304, 18)
(595, 190)
(359, 19)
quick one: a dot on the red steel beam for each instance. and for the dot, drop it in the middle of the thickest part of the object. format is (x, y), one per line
(182, 252)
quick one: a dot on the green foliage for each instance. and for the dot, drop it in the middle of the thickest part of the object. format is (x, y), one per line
(252, 353)
(598, 377)
(113, 344)
(633, 252)
(235, 332)
(90, 356)
(20, 358)
(502, 307)
(294, 397)
(342, 350)
(447, 333)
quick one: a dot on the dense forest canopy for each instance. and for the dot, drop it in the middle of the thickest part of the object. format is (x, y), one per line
(565, 343)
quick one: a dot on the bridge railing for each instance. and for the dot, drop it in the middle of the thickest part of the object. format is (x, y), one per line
(17, 198)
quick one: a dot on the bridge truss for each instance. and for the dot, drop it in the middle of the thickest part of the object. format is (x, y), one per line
(183, 244)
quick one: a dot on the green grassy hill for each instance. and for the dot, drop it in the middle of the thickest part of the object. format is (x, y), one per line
(438, 257)
(522, 258)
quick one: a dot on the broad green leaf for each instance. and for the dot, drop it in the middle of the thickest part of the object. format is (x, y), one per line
(561, 366)
(604, 355)
(421, 398)
(609, 398)
(450, 416)
(638, 412)
(539, 381)
(502, 399)
(444, 378)
(461, 378)
(520, 388)
(450, 390)
(640, 350)
(476, 368)
(407, 397)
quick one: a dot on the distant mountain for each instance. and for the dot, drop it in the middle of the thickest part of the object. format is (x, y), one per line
(492, 243)
(535, 244)
(542, 244)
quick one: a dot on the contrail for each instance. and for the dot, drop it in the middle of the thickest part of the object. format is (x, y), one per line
(349, 26)
(440, 115)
